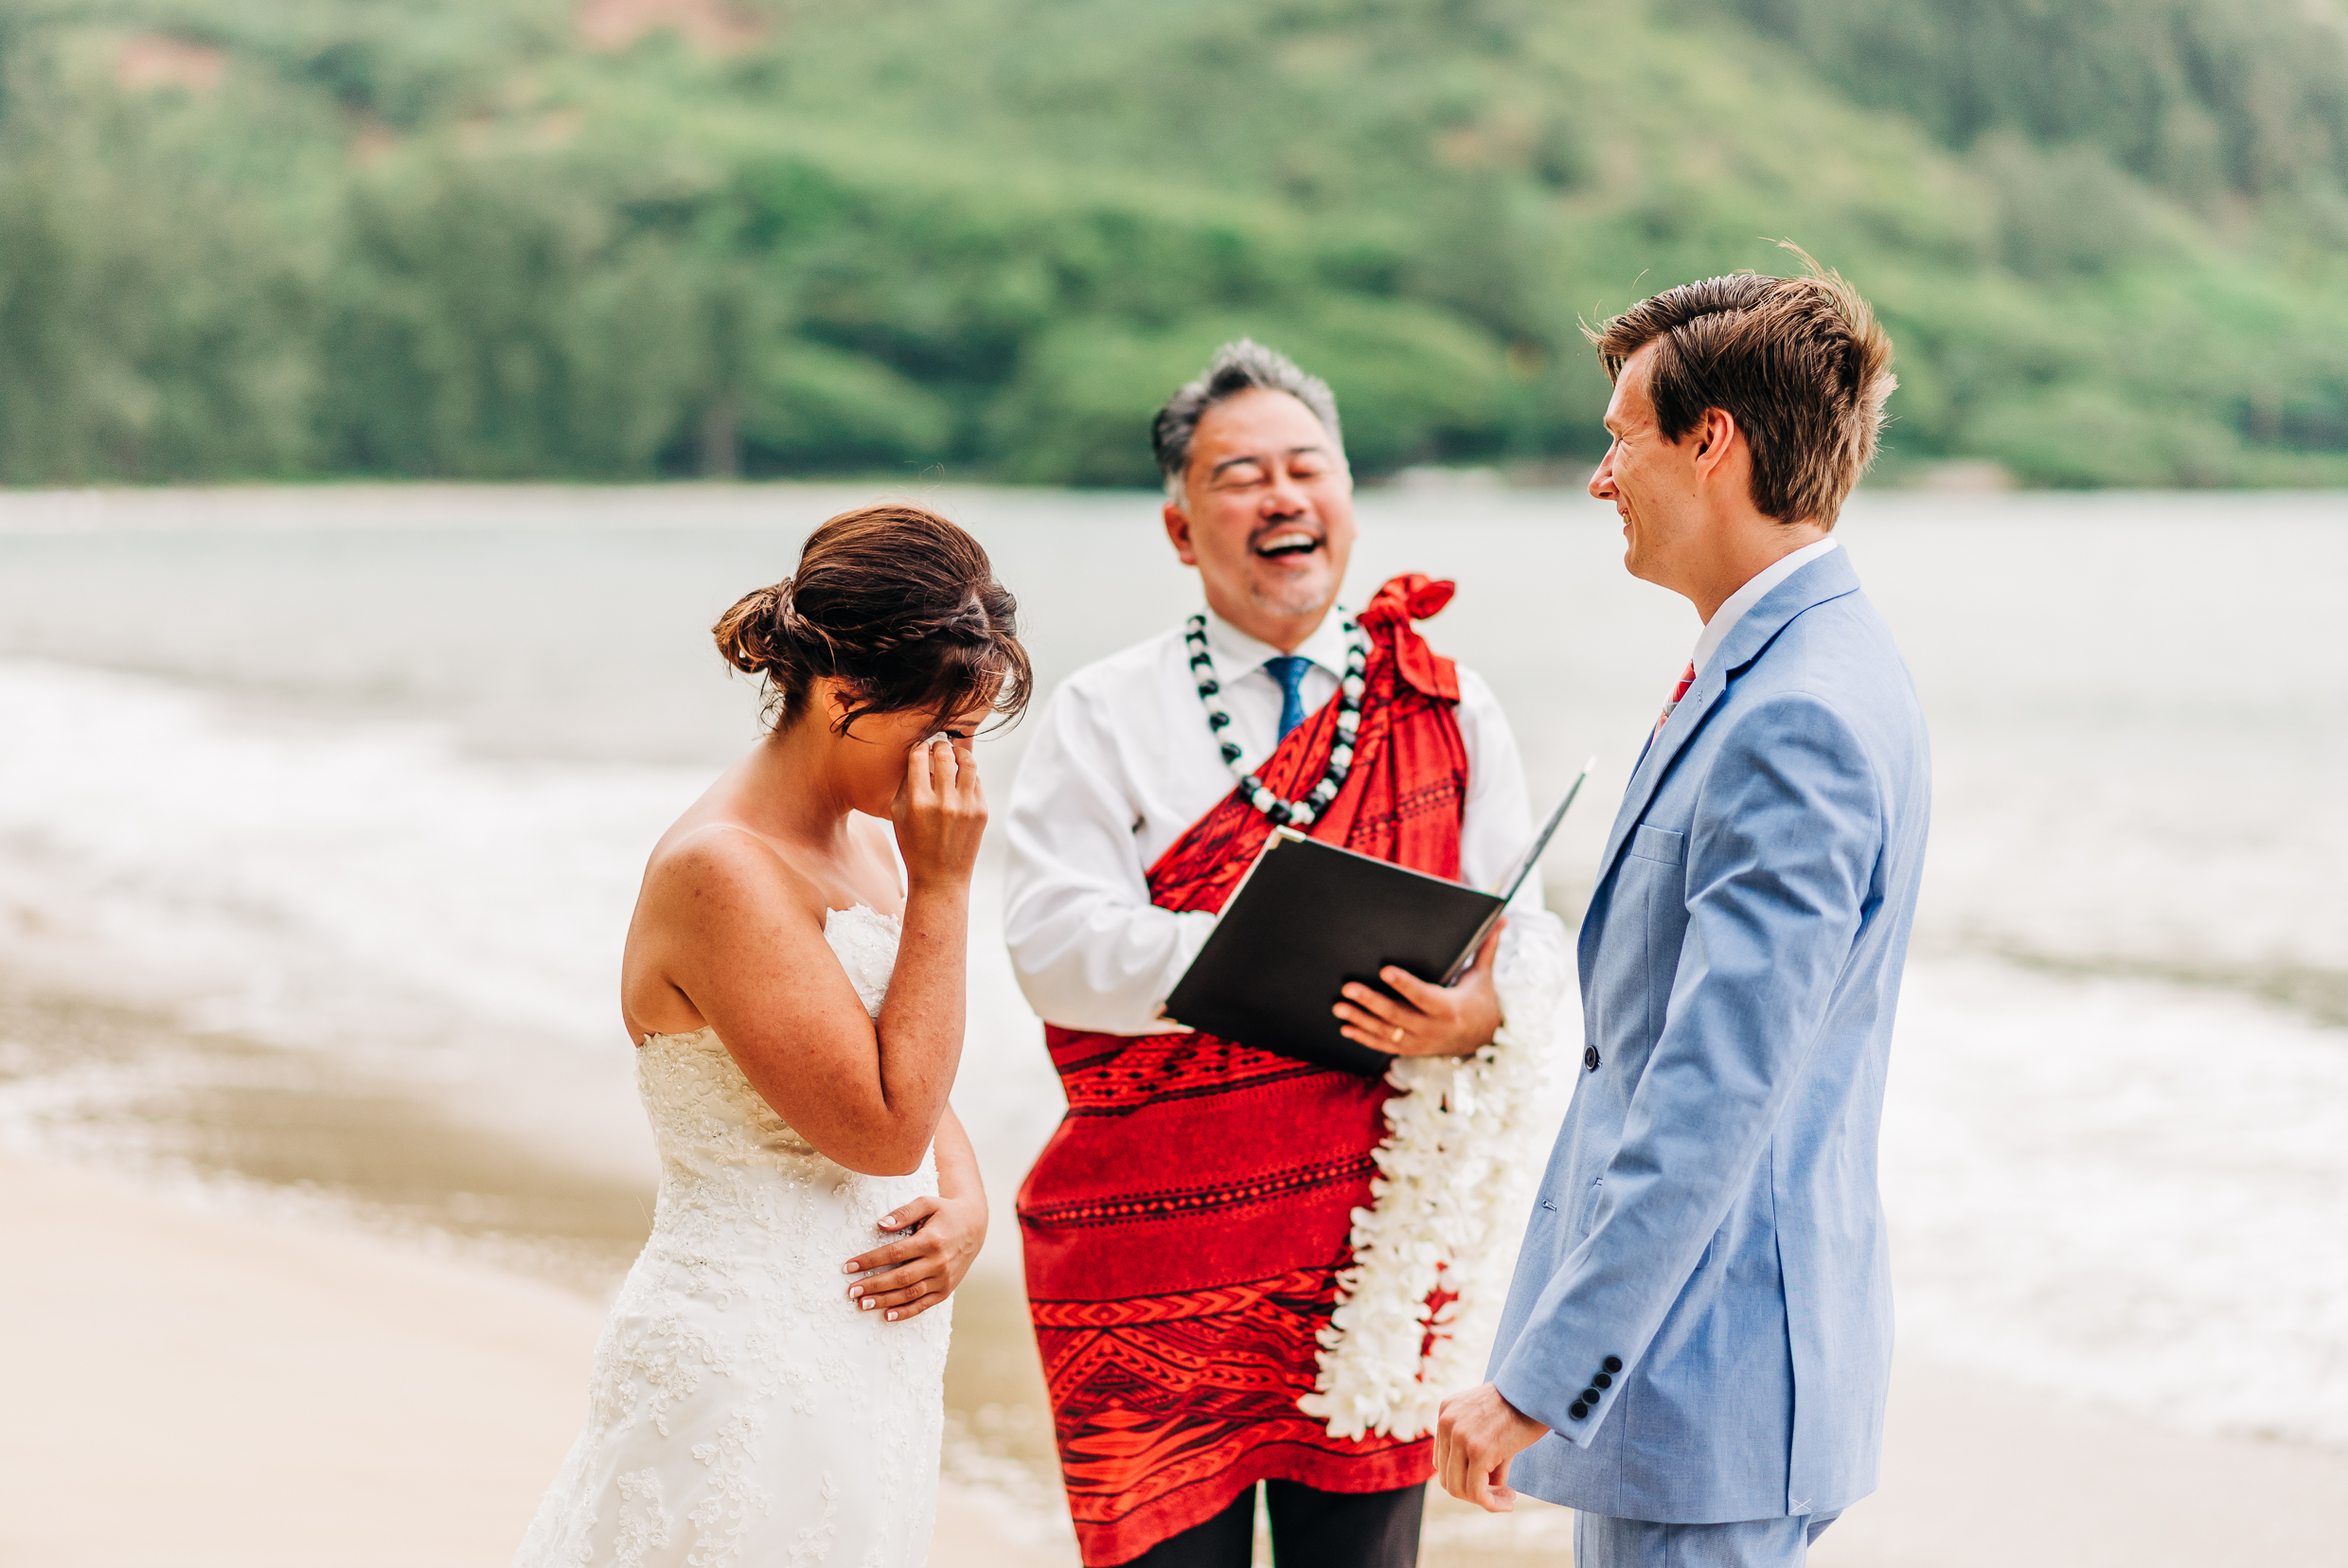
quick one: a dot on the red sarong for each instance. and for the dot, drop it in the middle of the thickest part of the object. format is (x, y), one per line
(1185, 1225)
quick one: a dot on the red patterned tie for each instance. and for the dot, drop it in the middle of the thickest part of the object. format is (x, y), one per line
(1687, 680)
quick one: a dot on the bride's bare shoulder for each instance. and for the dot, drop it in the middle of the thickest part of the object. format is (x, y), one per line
(723, 868)
(719, 905)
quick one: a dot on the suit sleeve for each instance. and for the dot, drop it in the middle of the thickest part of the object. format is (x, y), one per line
(1782, 852)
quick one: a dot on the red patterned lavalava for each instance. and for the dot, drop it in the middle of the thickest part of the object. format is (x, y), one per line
(1186, 1226)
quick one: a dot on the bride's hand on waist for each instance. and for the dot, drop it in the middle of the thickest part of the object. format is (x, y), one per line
(940, 812)
(1456, 1020)
(921, 1270)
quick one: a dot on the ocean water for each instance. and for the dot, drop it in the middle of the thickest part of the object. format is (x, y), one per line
(373, 771)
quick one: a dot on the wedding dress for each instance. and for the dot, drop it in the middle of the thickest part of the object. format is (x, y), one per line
(742, 1409)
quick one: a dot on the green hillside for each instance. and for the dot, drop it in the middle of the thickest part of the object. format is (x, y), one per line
(516, 238)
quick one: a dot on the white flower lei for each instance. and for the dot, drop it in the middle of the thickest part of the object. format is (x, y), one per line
(1447, 1207)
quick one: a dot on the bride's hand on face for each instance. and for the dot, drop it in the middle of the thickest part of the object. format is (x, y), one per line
(940, 810)
(920, 1270)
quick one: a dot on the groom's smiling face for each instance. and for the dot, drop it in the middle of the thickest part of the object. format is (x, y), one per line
(1651, 481)
(1267, 515)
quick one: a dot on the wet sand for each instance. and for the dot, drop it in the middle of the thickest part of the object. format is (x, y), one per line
(1981, 1472)
(197, 1388)
(288, 1306)
(490, 1161)
(307, 1309)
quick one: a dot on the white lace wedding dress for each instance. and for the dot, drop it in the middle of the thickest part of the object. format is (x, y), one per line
(742, 1410)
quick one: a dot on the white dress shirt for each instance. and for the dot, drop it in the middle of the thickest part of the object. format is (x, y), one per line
(1733, 608)
(1123, 762)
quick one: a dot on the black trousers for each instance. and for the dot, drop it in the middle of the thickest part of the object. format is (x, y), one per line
(1310, 1529)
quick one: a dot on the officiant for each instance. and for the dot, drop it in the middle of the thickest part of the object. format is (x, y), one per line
(1205, 1209)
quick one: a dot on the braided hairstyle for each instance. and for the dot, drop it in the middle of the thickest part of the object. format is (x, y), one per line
(896, 603)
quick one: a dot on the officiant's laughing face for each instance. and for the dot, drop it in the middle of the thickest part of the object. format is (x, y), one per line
(1266, 515)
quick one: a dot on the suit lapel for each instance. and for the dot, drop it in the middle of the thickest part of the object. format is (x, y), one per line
(1828, 578)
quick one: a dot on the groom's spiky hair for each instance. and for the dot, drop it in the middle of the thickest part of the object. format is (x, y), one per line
(1798, 362)
(1238, 366)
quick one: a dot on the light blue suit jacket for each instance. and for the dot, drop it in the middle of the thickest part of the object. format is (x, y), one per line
(1702, 1312)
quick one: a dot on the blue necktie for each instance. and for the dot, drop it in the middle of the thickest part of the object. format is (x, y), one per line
(1289, 669)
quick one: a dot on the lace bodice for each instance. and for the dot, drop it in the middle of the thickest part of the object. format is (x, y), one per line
(727, 1159)
(742, 1410)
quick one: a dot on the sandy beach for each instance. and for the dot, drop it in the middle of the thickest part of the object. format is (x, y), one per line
(199, 1387)
(206, 1387)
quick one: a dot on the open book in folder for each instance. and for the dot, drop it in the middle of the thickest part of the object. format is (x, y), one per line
(1309, 917)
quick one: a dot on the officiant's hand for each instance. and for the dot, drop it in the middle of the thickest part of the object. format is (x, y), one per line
(1457, 1020)
(1477, 1434)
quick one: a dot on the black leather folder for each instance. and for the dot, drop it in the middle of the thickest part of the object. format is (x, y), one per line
(1309, 917)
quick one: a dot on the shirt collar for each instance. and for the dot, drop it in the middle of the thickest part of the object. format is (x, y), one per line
(1732, 609)
(1236, 652)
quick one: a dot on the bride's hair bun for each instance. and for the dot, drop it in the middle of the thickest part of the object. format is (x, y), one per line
(896, 603)
(749, 634)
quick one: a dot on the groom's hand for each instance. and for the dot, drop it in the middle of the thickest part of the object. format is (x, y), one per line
(1457, 1020)
(1476, 1435)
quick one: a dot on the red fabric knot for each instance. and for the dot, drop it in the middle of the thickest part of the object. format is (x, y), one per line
(1415, 595)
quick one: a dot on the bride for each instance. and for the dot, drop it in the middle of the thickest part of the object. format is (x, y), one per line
(768, 1389)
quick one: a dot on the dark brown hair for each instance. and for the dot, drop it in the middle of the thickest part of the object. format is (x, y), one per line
(1798, 362)
(1239, 365)
(896, 603)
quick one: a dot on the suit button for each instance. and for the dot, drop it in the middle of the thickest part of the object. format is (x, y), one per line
(1590, 1058)
(1589, 1396)
(1601, 1380)
(1578, 1410)
(1613, 1363)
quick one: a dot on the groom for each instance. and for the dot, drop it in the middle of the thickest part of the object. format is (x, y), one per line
(1694, 1351)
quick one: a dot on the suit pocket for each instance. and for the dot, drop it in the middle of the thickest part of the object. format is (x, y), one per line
(1658, 843)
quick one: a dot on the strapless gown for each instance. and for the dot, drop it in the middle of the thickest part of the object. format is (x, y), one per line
(742, 1410)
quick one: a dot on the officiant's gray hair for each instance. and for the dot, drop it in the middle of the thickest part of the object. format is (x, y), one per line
(1238, 366)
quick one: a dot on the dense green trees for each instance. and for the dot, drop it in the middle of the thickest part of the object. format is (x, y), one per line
(2199, 99)
(451, 238)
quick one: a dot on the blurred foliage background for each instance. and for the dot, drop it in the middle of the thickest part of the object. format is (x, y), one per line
(501, 239)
